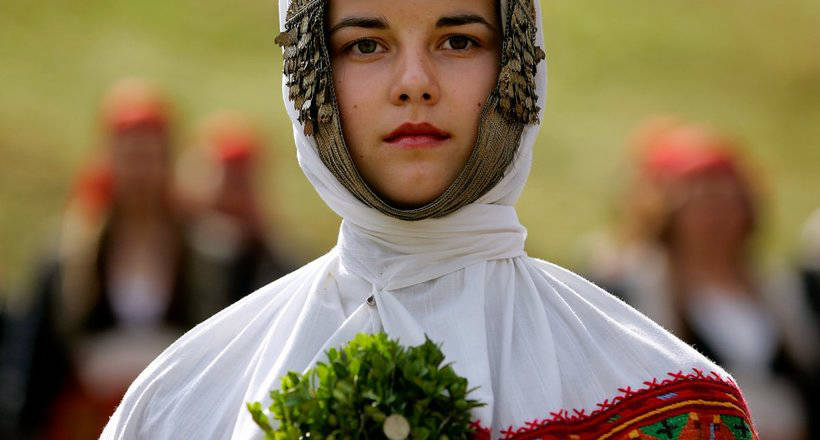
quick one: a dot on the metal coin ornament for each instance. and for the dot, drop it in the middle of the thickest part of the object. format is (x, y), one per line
(396, 427)
(520, 59)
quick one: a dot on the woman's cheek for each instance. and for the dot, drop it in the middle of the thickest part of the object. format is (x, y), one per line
(475, 81)
(354, 92)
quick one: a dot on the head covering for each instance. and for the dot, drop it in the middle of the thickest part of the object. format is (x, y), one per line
(536, 340)
(687, 151)
(513, 103)
(134, 102)
(231, 137)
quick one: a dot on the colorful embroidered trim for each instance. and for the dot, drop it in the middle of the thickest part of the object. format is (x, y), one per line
(684, 407)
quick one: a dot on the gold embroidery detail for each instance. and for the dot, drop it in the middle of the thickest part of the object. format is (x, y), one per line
(520, 59)
(306, 63)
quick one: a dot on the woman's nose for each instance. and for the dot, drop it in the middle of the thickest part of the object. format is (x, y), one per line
(415, 79)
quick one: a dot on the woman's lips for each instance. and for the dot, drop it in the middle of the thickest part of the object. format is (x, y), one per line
(417, 135)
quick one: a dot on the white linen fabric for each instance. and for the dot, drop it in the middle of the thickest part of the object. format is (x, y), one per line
(533, 337)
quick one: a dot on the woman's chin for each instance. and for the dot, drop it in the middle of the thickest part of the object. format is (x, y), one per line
(413, 187)
(406, 202)
(410, 197)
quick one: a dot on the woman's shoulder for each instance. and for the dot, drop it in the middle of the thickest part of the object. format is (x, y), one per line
(621, 375)
(197, 384)
(605, 317)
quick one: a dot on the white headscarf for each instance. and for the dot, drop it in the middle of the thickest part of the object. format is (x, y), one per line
(534, 338)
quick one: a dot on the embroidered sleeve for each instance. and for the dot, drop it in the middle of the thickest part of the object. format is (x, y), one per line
(683, 407)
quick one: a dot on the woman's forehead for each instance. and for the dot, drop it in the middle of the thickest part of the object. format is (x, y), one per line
(417, 13)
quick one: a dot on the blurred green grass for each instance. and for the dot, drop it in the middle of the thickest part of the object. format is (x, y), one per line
(751, 68)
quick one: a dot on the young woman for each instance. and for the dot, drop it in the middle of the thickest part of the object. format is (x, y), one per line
(415, 121)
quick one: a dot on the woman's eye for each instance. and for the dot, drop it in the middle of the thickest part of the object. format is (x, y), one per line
(458, 42)
(365, 47)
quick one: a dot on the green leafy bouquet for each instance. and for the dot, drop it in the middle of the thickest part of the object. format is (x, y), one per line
(371, 388)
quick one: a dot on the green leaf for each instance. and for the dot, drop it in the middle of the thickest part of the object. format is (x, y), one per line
(350, 395)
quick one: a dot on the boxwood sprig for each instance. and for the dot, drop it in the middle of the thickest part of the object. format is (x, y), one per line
(372, 388)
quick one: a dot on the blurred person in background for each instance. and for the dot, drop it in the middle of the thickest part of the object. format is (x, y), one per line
(808, 280)
(118, 289)
(230, 234)
(809, 265)
(686, 261)
(7, 422)
(3, 311)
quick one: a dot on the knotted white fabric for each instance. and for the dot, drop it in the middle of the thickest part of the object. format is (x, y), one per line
(534, 338)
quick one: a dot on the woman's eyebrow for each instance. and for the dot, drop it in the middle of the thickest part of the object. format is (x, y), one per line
(362, 22)
(462, 19)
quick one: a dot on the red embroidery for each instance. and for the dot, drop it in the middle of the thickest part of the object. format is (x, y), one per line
(682, 407)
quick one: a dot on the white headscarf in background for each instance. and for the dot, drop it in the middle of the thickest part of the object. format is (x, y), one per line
(536, 340)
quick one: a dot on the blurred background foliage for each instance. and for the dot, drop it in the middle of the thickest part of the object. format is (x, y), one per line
(750, 68)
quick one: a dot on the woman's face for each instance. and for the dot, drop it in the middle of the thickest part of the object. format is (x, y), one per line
(140, 164)
(714, 217)
(411, 78)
